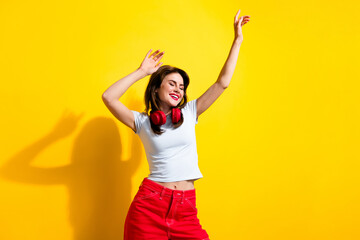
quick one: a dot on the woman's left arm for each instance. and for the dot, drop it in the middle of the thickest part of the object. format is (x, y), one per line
(223, 81)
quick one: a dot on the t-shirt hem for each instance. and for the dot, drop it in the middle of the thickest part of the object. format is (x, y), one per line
(174, 179)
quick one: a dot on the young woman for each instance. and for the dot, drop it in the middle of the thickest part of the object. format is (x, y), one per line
(165, 205)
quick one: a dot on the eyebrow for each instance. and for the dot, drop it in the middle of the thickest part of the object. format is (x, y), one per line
(176, 82)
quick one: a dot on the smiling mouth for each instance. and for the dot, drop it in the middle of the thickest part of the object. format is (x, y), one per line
(175, 97)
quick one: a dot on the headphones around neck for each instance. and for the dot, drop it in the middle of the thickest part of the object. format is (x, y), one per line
(159, 118)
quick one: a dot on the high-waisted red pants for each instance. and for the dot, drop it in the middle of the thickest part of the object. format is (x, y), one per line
(160, 213)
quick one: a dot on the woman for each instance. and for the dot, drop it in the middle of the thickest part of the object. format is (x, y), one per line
(165, 205)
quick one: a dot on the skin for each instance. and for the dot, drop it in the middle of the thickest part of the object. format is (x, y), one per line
(173, 83)
(150, 64)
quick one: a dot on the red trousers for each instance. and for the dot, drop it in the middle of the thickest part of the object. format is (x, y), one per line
(160, 213)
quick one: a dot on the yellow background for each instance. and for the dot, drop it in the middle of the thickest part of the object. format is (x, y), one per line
(279, 150)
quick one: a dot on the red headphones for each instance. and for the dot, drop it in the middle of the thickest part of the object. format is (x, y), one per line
(159, 117)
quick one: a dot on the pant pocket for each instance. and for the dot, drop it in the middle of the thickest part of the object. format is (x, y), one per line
(144, 193)
(191, 202)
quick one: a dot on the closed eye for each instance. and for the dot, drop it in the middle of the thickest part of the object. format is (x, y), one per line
(172, 83)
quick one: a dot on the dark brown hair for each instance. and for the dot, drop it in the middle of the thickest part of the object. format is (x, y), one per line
(152, 101)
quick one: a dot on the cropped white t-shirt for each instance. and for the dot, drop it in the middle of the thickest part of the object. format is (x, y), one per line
(172, 156)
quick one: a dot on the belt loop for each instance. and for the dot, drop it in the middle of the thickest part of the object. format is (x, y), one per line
(182, 198)
(162, 191)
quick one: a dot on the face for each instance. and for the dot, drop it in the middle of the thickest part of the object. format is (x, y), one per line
(171, 90)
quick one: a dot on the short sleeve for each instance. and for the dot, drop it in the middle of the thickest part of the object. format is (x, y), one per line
(192, 109)
(139, 120)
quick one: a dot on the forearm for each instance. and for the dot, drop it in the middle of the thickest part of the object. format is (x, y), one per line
(116, 90)
(229, 67)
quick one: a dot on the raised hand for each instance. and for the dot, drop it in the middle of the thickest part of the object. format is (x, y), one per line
(238, 23)
(151, 64)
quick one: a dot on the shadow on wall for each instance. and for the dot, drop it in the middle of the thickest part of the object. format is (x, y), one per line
(99, 182)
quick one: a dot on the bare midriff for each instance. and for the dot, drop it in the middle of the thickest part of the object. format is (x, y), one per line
(179, 185)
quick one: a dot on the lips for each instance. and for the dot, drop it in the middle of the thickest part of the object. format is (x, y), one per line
(174, 96)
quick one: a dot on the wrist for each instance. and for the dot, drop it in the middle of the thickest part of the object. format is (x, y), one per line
(141, 72)
(238, 40)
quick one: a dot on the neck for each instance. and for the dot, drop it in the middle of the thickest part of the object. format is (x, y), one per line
(165, 109)
(167, 112)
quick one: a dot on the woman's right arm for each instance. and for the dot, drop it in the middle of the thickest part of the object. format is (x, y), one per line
(111, 96)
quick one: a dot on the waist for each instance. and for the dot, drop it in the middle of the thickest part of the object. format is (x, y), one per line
(179, 185)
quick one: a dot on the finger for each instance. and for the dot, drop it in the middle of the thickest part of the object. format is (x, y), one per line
(240, 20)
(247, 17)
(244, 23)
(236, 16)
(147, 55)
(154, 53)
(160, 53)
(158, 57)
(158, 65)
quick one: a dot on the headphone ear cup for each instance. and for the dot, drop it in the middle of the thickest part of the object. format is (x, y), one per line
(158, 118)
(175, 115)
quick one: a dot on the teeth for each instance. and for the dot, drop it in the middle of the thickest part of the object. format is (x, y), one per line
(175, 96)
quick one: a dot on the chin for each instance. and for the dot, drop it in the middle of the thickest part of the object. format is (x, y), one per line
(173, 103)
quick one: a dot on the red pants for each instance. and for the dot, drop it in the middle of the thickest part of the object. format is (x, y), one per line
(160, 213)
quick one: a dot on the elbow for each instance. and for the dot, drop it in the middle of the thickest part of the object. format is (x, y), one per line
(105, 98)
(223, 85)
(223, 81)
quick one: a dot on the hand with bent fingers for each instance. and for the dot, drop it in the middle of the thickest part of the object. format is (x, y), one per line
(238, 23)
(151, 64)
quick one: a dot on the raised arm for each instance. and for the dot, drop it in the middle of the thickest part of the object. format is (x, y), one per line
(111, 96)
(223, 81)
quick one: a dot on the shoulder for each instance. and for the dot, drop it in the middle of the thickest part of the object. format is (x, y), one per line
(140, 118)
(140, 115)
(191, 110)
(190, 105)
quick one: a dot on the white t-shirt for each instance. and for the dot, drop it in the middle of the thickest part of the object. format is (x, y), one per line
(172, 156)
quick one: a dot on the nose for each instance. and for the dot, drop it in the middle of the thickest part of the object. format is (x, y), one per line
(177, 89)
